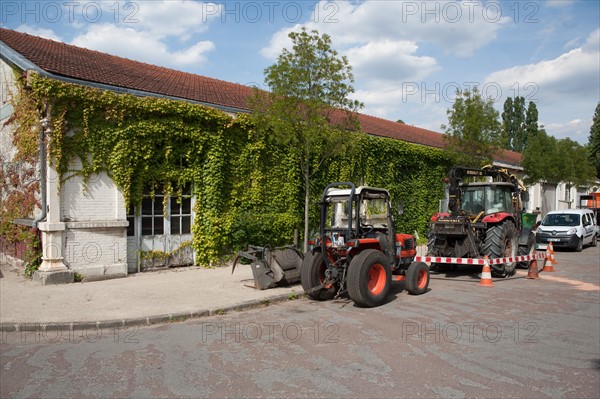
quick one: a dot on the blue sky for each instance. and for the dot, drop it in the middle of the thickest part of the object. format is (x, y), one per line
(409, 57)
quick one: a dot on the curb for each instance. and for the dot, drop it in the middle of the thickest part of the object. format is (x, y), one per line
(42, 327)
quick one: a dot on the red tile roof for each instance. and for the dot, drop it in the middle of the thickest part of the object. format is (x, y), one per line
(92, 66)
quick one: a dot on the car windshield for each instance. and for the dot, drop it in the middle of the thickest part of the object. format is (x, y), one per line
(561, 219)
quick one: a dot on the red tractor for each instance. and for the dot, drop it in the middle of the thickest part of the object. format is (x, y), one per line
(483, 218)
(358, 252)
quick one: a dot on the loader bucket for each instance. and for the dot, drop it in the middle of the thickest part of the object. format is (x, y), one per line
(270, 268)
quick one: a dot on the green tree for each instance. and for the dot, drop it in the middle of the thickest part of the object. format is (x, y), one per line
(473, 130)
(540, 159)
(515, 123)
(308, 107)
(574, 163)
(531, 122)
(594, 141)
(507, 123)
(550, 160)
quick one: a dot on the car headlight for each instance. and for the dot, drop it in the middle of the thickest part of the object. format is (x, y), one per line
(539, 230)
(572, 231)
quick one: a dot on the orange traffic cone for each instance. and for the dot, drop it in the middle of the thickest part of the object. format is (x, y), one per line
(486, 274)
(532, 272)
(548, 264)
(552, 253)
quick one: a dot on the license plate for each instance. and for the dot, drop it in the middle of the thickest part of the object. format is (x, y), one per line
(554, 239)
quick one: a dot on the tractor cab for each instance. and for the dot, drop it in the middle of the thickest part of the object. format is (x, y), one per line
(488, 198)
(356, 213)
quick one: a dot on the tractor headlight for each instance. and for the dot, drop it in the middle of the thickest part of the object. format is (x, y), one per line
(352, 243)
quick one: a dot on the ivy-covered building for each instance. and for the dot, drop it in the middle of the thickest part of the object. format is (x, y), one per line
(122, 165)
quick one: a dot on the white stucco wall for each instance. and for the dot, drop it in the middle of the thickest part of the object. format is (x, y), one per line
(95, 226)
(7, 88)
(96, 199)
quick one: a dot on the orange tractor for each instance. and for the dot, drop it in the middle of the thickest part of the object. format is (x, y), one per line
(358, 252)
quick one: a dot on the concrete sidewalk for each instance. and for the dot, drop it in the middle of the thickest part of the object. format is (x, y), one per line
(139, 299)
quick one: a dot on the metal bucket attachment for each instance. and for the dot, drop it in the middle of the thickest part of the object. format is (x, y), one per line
(272, 267)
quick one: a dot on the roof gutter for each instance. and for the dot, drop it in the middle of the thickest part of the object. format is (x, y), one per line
(15, 58)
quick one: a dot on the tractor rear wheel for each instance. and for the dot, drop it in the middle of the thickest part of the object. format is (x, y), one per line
(312, 274)
(369, 278)
(417, 278)
(525, 250)
(501, 242)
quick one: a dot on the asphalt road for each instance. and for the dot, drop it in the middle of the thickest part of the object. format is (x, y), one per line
(520, 338)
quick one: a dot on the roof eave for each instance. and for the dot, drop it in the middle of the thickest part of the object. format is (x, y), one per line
(14, 58)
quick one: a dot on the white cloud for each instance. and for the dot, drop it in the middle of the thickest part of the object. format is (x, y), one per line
(156, 32)
(278, 42)
(179, 18)
(141, 46)
(37, 31)
(388, 61)
(566, 85)
(574, 74)
(458, 28)
(382, 40)
(163, 18)
(577, 129)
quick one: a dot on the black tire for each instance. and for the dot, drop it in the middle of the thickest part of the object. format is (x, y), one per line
(417, 278)
(525, 250)
(430, 243)
(440, 267)
(312, 274)
(500, 242)
(369, 278)
(594, 242)
(579, 246)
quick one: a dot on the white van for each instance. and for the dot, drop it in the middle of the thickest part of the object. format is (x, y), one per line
(569, 228)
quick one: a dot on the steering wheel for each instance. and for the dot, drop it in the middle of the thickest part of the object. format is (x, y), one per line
(366, 229)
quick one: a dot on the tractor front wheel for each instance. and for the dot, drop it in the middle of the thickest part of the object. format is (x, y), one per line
(369, 278)
(417, 278)
(312, 275)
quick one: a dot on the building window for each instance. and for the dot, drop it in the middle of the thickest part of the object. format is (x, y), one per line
(181, 212)
(152, 215)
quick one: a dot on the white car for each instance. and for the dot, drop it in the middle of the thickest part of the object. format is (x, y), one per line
(569, 228)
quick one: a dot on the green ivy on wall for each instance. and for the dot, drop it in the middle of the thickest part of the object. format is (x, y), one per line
(248, 190)
(18, 179)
